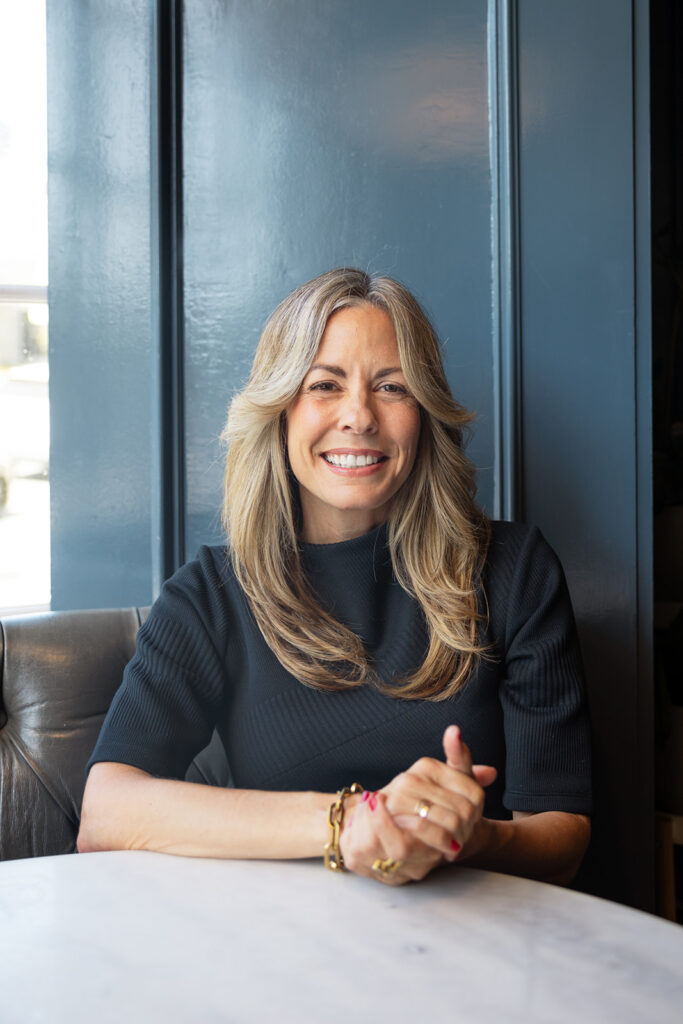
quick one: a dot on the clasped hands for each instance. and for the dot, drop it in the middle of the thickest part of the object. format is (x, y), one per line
(425, 816)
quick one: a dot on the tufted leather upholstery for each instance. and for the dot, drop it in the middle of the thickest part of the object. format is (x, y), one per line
(58, 674)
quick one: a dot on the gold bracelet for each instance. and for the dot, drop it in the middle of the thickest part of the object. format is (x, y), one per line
(335, 817)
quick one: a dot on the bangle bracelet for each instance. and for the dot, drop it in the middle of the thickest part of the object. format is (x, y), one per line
(335, 817)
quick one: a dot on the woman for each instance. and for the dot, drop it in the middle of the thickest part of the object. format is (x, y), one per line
(365, 618)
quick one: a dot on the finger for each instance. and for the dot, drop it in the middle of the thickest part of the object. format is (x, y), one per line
(485, 774)
(453, 747)
(374, 837)
(447, 841)
(456, 750)
(431, 784)
(397, 845)
(392, 838)
(454, 821)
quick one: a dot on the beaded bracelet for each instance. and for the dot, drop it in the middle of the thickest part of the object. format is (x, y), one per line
(335, 817)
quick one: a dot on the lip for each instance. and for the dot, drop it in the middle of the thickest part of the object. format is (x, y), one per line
(354, 451)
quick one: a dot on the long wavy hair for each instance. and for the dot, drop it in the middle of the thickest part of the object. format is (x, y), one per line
(437, 535)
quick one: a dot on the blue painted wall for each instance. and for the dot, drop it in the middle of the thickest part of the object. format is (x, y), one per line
(491, 155)
(100, 271)
(583, 181)
(324, 135)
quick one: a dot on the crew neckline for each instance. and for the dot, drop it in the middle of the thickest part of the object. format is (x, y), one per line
(344, 545)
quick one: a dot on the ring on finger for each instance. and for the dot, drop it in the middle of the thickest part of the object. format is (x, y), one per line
(385, 866)
(422, 809)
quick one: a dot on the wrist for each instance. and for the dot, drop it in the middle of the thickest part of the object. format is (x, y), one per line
(338, 815)
(483, 839)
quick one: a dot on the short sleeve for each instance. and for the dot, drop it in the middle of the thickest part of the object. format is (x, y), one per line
(543, 694)
(165, 710)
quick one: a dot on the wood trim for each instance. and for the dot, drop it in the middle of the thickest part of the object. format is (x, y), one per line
(168, 541)
(508, 500)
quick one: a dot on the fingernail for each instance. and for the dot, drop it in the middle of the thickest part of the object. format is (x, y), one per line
(366, 795)
(455, 846)
(372, 803)
(457, 732)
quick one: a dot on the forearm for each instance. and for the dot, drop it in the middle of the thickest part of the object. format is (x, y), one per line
(548, 846)
(125, 808)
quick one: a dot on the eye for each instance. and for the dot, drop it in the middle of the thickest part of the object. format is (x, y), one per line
(322, 385)
(391, 388)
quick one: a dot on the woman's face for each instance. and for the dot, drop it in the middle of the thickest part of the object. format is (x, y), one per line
(353, 429)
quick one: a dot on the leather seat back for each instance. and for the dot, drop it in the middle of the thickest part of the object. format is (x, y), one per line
(58, 674)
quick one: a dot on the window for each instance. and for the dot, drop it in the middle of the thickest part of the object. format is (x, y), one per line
(24, 404)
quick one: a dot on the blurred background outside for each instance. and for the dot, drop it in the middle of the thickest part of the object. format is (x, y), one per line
(24, 402)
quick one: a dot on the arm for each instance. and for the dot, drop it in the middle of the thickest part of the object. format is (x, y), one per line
(545, 721)
(548, 846)
(125, 808)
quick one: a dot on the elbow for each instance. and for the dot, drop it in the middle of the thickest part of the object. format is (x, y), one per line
(577, 851)
(104, 819)
(566, 876)
(92, 837)
(85, 843)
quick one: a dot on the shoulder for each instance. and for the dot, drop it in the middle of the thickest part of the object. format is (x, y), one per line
(515, 544)
(209, 571)
(198, 593)
(521, 573)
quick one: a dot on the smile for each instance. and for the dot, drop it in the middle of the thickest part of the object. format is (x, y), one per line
(349, 461)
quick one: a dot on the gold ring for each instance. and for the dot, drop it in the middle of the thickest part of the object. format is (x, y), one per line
(386, 866)
(422, 809)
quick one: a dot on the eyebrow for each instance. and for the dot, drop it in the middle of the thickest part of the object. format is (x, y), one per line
(338, 372)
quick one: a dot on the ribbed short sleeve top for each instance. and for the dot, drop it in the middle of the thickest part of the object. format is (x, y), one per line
(201, 663)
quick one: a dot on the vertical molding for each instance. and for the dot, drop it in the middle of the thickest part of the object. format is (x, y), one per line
(644, 738)
(168, 540)
(508, 495)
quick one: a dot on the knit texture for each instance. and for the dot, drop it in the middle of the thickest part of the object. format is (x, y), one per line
(201, 663)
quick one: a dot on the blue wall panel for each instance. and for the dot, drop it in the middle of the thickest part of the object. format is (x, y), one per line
(323, 135)
(100, 302)
(579, 355)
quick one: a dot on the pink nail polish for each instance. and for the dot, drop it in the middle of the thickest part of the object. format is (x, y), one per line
(455, 846)
(372, 803)
(366, 795)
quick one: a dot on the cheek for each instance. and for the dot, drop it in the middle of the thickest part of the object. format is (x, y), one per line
(303, 427)
(408, 430)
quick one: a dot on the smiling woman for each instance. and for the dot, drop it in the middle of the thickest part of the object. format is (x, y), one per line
(346, 358)
(363, 619)
(353, 429)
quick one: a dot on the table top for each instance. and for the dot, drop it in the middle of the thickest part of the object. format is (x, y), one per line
(134, 936)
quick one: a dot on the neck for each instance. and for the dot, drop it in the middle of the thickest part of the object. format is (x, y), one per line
(335, 526)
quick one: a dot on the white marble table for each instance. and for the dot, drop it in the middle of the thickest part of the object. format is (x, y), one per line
(143, 937)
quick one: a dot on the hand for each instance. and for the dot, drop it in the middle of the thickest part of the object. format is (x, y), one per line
(386, 824)
(452, 795)
(370, 835)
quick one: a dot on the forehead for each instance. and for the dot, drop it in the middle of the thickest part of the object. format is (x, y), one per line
(359, 330)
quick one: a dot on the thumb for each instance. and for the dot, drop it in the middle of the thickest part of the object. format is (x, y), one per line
(458, 756)
(457, 753)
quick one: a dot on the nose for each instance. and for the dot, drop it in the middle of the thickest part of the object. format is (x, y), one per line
(357, 412)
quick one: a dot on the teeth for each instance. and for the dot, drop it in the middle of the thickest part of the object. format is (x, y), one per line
(352, 461)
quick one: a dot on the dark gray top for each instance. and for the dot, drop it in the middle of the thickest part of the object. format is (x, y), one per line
(201, 662)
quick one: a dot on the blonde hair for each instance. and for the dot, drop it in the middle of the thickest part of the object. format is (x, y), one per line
(437, 535)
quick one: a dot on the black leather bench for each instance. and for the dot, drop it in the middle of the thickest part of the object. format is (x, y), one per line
(58, 674)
